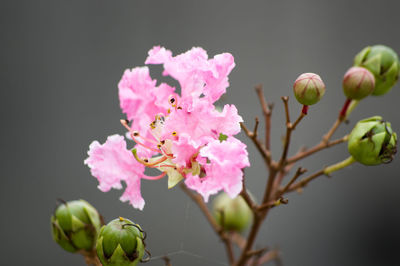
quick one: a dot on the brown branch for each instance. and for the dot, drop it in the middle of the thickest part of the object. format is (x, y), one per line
(167, 261)
(273, 204)
(245, 195)
(270, 256)
(320, 146)
(267, 111)
(218, 229)
(298, 173)
(289, 129)
(260, 147)
(302, 183)
(301, 116)
(258, 218)
(237, 239)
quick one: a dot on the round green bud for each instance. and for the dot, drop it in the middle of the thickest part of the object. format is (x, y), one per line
(232, 214)
(120, 242)
(308, 88)
(383, 63)
(358, 83)
(372, 141)
(75, 225)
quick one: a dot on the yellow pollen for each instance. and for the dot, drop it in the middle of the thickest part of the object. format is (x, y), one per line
(159, 146)
(121, 219)
(174, 133)
(169, 111)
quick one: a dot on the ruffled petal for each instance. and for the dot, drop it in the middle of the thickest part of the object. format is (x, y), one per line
(112, 163)
(224, 170)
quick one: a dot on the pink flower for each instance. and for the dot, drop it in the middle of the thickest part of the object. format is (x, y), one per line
(177, 134)
(111, 163)
(224, 170)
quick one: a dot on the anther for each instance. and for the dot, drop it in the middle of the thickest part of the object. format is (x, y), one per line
(162, 142)
(174, 133)
(146, 160)
(159, 146)
(169, 111)
(135, 133)
(179, 108)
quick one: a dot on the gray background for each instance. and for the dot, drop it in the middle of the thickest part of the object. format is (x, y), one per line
(61, 62)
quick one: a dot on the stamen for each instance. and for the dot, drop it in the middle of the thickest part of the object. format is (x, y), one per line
(173, 101)
(141, 144)
(146, 161)
(174, 133)
(125, 123)
(154, 177)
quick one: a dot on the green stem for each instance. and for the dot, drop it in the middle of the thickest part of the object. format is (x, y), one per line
(330, 169)
(352, 106)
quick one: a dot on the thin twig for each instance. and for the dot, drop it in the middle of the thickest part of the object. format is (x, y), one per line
(237, 239)
(267, 111)
(273, 204)
(302, 183)
(260, 147)
(301, 116)
(167, 261)
(298, 173)
(270, 256)
(245, 195)
(320, 146)
(218, 230)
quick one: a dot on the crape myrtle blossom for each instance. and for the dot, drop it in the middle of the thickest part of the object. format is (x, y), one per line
(184, 136)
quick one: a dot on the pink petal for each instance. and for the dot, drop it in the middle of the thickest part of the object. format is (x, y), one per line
(184, 149)
(111, 163)
(224, 172)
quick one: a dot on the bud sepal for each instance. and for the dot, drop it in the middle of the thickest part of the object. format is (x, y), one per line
(121, 242)
(75, 226)
(383, 63)
(372, 141)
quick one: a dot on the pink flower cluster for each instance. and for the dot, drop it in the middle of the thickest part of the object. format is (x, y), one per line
(184, 136)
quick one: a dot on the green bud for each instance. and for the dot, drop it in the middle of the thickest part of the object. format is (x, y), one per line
(358, 83)
(121, 242)
(383, 63)
(232, 214)
(372, 141)
(75, 225)
(308, 88)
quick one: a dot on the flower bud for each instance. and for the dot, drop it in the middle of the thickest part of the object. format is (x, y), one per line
(308, 88)
(383, 63)
(232, 214)
(120, 242)
(372, 141)
(75, 225)
(358, 83)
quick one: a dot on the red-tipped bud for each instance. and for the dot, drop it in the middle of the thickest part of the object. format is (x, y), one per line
(358, 83)
(309, 88)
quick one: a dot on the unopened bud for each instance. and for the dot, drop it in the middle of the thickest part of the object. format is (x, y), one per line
(383, 63)
(309, 88)
(358, 83)
(372, 141)
(232, 214)
(120, 242)
(75, 225)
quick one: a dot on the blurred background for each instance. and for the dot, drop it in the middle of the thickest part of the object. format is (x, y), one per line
(60, 65)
